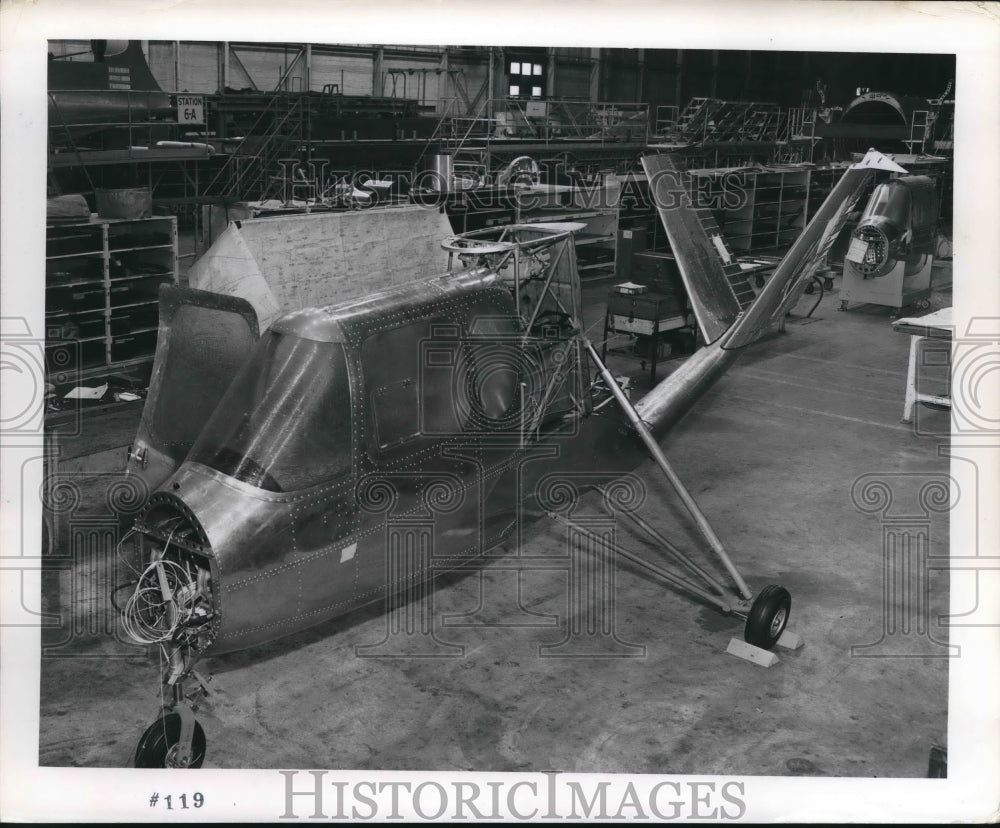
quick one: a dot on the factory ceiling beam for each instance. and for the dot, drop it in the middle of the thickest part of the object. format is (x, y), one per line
(283, 79)
(354, 50)
(458, 84)
(481, 93)
(232, 55)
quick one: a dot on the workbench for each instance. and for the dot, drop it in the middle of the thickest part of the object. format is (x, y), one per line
(646, 315)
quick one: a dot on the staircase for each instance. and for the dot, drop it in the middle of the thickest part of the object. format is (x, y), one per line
(690, 113)
(762, 123)
(728, 121)
(451, 136)
(253, 171)
(696, 118)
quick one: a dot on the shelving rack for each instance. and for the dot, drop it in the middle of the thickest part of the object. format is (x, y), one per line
(101, 293)
(765, 209)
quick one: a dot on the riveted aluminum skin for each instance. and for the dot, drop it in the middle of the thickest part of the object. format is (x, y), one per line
(285, 559)
(364, 447)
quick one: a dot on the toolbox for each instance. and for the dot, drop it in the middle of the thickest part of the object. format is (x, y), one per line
(660, 323)
(658, 270)
(645, 313)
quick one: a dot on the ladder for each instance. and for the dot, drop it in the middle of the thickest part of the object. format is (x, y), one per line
(253, 171)
(690, 112)
(451, 135)
(920, 123)
(729, 121)
(763, 122)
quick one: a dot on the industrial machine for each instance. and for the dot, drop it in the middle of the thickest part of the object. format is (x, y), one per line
(891, 251)
(360, 445)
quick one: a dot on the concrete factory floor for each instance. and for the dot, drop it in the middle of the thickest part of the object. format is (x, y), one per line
(772, 454)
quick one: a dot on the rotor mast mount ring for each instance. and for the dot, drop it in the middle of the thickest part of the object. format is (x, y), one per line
(475, 247)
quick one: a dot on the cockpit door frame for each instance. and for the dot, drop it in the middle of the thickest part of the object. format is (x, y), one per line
(151, 457)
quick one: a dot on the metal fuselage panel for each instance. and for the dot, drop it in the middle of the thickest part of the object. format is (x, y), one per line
(437, 472)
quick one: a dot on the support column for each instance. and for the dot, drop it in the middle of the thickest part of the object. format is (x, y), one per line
(445, 82)
(595, 75)
(225, 65)
(497, 87)
(640, 75)
(678, 76)
(378, 73)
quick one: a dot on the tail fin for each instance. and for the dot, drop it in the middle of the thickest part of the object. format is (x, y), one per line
(714, 280)
(723, 302)
(793, 274)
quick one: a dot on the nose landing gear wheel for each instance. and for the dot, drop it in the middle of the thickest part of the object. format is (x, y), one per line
(159, 746)
(767, 617)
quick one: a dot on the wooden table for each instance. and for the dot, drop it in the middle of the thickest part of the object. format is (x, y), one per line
(936, 325)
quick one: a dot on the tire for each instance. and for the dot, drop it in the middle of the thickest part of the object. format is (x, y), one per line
(155, 747)
(767, 617)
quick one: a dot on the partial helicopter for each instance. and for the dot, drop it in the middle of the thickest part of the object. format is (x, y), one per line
(284, 465)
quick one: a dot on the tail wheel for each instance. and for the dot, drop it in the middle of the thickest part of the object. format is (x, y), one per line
(159, 746)
(768, 617)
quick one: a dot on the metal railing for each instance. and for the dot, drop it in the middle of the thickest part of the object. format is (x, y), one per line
(74, 113)
(471, 136)
(713, 120)
(253, 167)
(667, 118)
